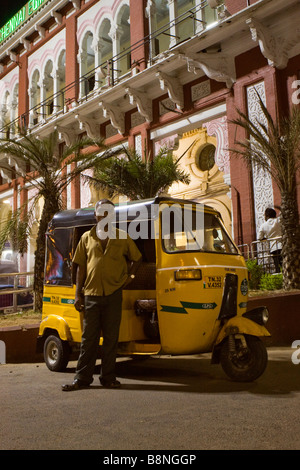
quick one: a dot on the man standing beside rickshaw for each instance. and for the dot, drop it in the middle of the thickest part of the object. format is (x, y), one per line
(101, 258)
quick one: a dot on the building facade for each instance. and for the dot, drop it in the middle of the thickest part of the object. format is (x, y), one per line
(149, 73)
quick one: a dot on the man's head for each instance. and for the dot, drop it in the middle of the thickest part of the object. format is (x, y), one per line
(270, 213)
(104, 214)
(104, 208)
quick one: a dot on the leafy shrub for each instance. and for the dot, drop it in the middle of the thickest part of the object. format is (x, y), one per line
(256, 272)
(271, 281)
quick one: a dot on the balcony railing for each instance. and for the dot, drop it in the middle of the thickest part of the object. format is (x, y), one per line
(107, 74)
(261, 251)
(16, 291)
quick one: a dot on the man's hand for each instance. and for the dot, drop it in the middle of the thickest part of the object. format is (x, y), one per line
(79, 296)
(79, 302)
(132, 270)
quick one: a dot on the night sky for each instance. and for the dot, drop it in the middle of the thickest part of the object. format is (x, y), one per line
(8, 8)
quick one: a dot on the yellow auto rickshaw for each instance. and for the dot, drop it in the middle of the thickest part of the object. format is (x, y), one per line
(189, 295)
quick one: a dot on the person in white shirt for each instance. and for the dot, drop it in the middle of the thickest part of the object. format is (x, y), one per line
(271, 228)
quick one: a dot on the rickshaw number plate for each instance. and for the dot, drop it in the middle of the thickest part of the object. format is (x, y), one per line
(55, 299)
(213, 282)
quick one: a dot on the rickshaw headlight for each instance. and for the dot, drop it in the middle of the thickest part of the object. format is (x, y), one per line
(265, 315)
(260, 315)
(188, 275)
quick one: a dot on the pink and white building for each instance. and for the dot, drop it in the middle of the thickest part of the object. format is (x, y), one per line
(148, 73)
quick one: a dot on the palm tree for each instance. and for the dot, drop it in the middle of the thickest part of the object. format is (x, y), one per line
(137, 178)
(51, 171)
(275, 147)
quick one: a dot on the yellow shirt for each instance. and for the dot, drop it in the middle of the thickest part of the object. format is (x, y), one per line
(106, 272)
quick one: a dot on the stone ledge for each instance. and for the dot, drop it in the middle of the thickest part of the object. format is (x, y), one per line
(284, 320)
(20, 342)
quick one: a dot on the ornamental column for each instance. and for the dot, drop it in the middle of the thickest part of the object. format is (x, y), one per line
(173, 29)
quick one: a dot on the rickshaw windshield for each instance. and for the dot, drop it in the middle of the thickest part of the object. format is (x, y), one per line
(58, 257)
(190, 230)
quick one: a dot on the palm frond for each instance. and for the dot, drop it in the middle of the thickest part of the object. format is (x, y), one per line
(137, 177)
(17, 227)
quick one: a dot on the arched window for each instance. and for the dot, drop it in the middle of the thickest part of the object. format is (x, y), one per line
(160, 19)
(186, 23)
(14, 109)
(87, 64)
(5, 118)
(173, 21)
(209, 16)
(105, 52)
(60, 82)
(124, 62)
(35, 98)
(48, 89)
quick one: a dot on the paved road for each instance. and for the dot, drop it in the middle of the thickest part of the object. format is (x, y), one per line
(176, 403)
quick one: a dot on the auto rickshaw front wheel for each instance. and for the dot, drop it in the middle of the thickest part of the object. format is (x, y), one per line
(56, 353)
(243, 357)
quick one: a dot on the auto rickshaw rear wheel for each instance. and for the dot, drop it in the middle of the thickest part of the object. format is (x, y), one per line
(56, 353)
(243, 364)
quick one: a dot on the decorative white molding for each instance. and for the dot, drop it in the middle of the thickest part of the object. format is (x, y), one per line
(76, 4)
(216, 66)
(166, 105)
(138, 144)
(143, 103)
(116, 117)
(26, 43)
(13, 56)
(85, 189)
(174, 88)
(57, 16)
(14, 163)
(200, 90)
(89, 126)
(219, 129)
(68, 135)
(273, 48)
(6, 174)
(262, 181)
(41, 30)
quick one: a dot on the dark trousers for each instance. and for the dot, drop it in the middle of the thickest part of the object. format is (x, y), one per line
(277, 258)
(101, 314)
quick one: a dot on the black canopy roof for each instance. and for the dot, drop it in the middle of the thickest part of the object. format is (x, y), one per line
(126, 211)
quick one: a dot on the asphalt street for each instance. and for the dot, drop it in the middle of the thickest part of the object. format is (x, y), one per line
(178, 403)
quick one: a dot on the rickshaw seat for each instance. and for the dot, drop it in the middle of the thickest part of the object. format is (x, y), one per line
(145, 306)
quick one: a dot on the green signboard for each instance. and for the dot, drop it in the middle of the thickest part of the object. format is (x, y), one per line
(19, 18)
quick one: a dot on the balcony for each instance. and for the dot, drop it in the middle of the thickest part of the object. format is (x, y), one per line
(157, 62)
